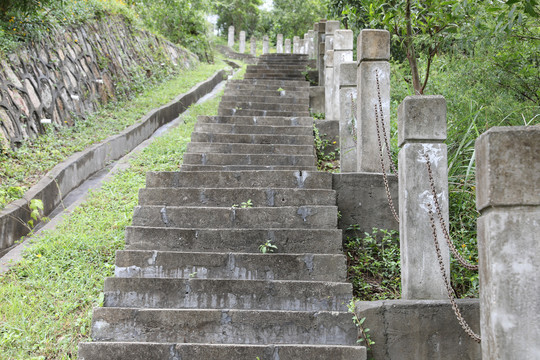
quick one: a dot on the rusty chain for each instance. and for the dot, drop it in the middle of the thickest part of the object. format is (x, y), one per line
(354, 121)
(392, 166)
(449, 289)
(449, 241)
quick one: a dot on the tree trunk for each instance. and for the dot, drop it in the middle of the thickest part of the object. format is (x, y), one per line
(411, 54)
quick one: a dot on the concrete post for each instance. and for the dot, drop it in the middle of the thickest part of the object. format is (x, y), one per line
(319, 49)
(347, 120)
(231, 36)
(343, 52)
(373, 50)
(305, 43)
(329, 85)
(287, 46)
(310, 44)
(422, 130)
(253, 46)
(279, 44)
(301, 46)
(330, 29)
(296, 43)
(266, 44)
(242, 48)
(508, 198)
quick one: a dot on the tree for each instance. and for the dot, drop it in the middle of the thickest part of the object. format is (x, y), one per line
(296, 17)
(242, 14)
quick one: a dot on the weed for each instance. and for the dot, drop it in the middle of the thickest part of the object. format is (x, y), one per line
(267, 247)
(364, 335)
(326, 157)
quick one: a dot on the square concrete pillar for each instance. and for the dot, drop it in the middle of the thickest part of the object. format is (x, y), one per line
(242, 45)
(421, 277)
(230, 41)
(287, 46)
(320, 50)
(347, 116)
(329, 85)
(310, 44)
(296, 44)
(279, 44)
(253, 46)
(508, 198)
(266, 45)
(343, 52)
(301, 46)
(373, 55)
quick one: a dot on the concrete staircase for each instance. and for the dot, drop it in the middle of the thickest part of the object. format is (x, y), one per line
(192, 283)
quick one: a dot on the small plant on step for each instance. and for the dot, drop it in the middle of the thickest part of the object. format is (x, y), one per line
(364, 336)
(326, 158)
(267, 247)
(247, 204)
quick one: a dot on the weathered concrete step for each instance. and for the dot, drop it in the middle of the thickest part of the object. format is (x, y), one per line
(167, 351)
(282, 94)
(240, 179)
(273, 83)
(252, 138)
(273, 99)
(294, 241)
(240, 266)
(263, 106)
(249, 112)
(302, 217)
(252, 88)
(286, 71)
(256, 120)
(253, 129)
(275, 76)
(223, 326)
(226, 197)
(194, 168)
(225, 148)
(249, 159)
(170, 293)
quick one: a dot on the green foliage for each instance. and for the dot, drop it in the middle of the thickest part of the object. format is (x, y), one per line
(242, 14)
(294, 17)
(327, 152)
(364, 335)
(267, 247)
(374, 265)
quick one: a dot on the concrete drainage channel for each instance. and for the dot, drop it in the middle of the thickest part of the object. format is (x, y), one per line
(67, 184)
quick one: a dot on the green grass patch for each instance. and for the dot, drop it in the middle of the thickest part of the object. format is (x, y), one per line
(24, 167)
(46, 300)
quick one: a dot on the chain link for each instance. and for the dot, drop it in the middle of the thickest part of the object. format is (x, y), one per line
(449, 241)
(354, 121)
(449, 289)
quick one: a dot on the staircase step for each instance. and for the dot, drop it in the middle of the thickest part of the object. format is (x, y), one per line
(249, 159)
(254, 129)
(273, 83)
(226, 197)
(301, 217)
(170, 293)
(240, 266)
(204, 168)
(256, 120)
(254, 87)
(251, 112)
(208, 240)
(241, 179)
(264, 106)
(232, 93)
(167, 351)
(268, 149)
(252, 138)
(268, 99)
(223, 326)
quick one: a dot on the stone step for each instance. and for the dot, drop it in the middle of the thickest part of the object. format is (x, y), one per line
(254, 129)
(227, 197)
(238, 179)
(257, 120)
(274, 99)
(271, 83)
(275, 76)
(225, 148)
(223, 326)
(194, 168)
(170, 293)
(250, 112)
(252, 138)
(231, 93)
(251, 88)
(168, 351)
(249, 159)
(286, 71)
(238, 105)
(302, 217)
(239, 266)
(208, 240)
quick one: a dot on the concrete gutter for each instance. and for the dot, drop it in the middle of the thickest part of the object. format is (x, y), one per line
(69, 174)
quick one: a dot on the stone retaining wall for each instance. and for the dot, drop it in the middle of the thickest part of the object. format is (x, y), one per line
(67, 74)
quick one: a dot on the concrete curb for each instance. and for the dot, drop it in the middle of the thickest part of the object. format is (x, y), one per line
(69, 174)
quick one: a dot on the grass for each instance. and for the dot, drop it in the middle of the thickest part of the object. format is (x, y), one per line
(46, 300)
(23, 167)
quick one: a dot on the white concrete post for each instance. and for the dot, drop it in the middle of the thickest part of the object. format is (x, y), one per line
(422, 130)
(279, 44)
(343, 52)
(301, 46)
(242, 46)
(287, 46)
(347, 120)
(266, 44)
(231, 36)
(304, 43)
(310, 44)
(253, 46)
(329, 85)
(373, 50)
(508, 198)
(296, 43)
(319, 49)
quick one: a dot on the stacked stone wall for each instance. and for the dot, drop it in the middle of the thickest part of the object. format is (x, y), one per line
(67, 74)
